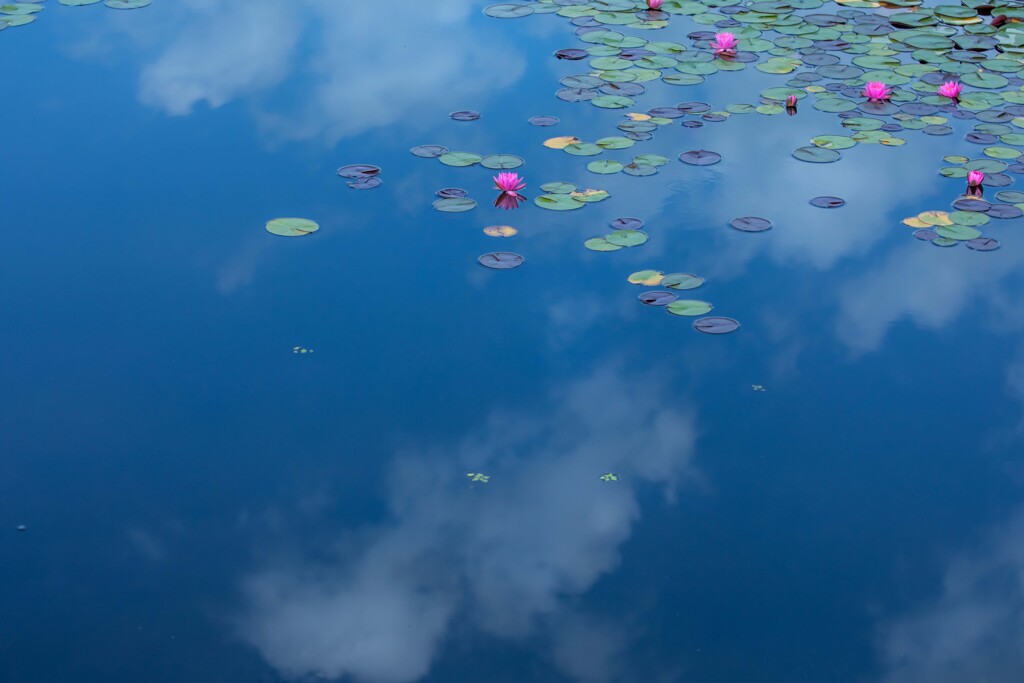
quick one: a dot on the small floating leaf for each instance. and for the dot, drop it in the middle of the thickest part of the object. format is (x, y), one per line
(292, 227)
(501, 260)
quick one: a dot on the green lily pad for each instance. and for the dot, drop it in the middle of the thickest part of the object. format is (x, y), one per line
(626, 238)
(292, 227)
(558, 202)
(501, 161)
(601, 244)
(689, 307)
(459, 159)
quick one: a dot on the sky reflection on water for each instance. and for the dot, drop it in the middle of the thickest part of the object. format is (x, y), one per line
(218, 508)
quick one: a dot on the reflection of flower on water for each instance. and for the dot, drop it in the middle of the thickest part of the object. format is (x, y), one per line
(509, 184)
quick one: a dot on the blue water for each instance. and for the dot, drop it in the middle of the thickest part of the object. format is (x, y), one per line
(202, 504)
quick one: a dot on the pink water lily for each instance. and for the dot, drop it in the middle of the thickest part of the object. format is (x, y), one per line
(724, 43)
(876, 91)
(655, 4)
(791, 101)
(509, 183)
(951, 89)
(975, 179)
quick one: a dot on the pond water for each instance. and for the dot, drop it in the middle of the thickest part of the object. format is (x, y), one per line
(235, 456)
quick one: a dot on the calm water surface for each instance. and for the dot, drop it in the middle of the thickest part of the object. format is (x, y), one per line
(203, 504)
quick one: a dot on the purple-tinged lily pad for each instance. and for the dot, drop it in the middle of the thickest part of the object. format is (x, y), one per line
(367, 183)
(971, 204)
(429, 151)
(467, 115)
(826, 202)
(1004, 211)
(700, 157)
(982, 244)
(358, 171)
(627, 223)
(658, 297)
(926, 235)
(450, 192)
(572, 54)
(543, 120)
(501, 260)
(716, 325)
(751, 224)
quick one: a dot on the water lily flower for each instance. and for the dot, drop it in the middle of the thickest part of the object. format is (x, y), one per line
(724, 43)
(791, 101)
(876, 91)
(655, 4)
(951, 89)
(975, 179)
(509, 183)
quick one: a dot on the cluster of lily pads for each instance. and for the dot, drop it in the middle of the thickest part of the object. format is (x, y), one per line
(22, 13)
(361, 176)
(950, 228)
(670, 300)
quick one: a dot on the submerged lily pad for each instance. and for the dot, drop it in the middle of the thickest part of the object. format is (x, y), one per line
(501, 260)
(751, 224)
(455, 204)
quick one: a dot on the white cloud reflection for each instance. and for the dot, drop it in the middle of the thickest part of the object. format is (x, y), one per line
(353, 79)
(509, 555)
(974, 631)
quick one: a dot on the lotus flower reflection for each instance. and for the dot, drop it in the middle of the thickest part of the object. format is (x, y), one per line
(724, 44)
(876, 91)
(951, 89)
(509, 184)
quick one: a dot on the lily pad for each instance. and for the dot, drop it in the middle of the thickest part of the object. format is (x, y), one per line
(751, 224)
(626, 238)
(657, 298)
(500, 260)
(689, 307)
(716, 325)
(682, 281)
(292, 227)
(700, 157)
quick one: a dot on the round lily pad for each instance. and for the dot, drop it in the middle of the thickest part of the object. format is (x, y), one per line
(358, 171)
(751, 224)
(604, 167)
(816, 155)
(826, 202)
(500, 231)
(689, 307)
(429, 151)
(626, 238)
(657, 298)
(982, 244)
(716, 325)
(501, 161)
(459, 159)
(682, 281)
(700, 157)
(600, 244)
(467, 115)
(455, 204)
(626, 223)
(500, 260)
(543, 121)
(648, 278)
(292, 227)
